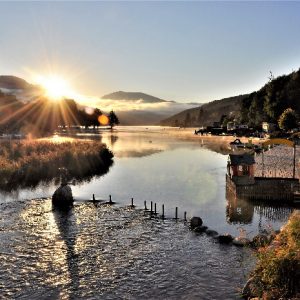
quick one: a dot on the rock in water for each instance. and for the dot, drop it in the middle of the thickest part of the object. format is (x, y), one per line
(225, 239)
(196, 222)
(63, 197)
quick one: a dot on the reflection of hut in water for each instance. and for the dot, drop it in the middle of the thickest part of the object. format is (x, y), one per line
(239, 210)
(241, 182)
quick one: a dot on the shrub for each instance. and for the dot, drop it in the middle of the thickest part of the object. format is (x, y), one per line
(278, 265)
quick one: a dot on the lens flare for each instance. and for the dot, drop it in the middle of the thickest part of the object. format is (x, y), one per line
(103, 120)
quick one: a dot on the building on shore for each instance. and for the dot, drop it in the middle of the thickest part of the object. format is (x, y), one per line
(242, 183)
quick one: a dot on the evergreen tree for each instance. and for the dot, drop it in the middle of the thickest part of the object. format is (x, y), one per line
(113, 119)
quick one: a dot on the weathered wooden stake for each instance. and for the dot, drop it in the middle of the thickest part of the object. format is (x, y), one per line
(110, 199)
(151, 208)
(94, 198)
(185, 216)
(131, 202)
(145, 204)
(155, 208)
(176, 213)
(163, 211)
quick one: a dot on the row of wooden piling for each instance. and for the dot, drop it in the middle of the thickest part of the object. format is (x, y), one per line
(153, 212)
(153, 208)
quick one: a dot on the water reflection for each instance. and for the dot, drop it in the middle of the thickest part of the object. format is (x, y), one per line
(66, 223)
(241, 211)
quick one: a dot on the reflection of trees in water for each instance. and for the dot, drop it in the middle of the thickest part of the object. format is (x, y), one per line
(66, 223)
(113, 140)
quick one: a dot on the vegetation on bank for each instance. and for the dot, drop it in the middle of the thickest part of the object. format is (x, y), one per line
(26, 163)
(277, 272)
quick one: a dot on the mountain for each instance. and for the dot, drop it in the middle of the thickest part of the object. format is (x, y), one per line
(135, 96)
(19, 87)
(207, 114)
(264, 105)
(13, 83)
(136, 108)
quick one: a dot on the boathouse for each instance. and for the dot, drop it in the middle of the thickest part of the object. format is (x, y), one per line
(242, 183)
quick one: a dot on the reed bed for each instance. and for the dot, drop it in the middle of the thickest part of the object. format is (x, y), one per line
(25, 163)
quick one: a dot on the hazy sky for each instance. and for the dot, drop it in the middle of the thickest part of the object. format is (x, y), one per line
(184, 51)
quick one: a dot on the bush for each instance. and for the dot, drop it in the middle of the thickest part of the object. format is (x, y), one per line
(278, 265)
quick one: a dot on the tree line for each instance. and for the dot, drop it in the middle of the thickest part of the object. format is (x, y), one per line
(42, 116)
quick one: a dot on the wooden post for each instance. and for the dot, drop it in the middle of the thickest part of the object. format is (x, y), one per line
(155, 208)
(110, 201)
(294, 167)
(145, 204)
(263, 164)
(94, 198)
(185, 216)
(176, 213)
(131, 202)
(163, 211)
(151, 208)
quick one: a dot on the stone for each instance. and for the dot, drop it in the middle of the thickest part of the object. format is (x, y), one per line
(225, 239)
(200, 229)
(63, 197)
(241, 242)
(252, 288)
(196, 222)
(211, 232)
(260, 240)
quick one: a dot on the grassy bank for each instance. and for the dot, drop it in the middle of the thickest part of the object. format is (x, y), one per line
(26, 163)
(277, 272)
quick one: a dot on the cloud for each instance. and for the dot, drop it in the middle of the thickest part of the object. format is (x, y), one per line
(130, 105)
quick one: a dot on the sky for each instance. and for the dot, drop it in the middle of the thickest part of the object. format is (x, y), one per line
(182, 51)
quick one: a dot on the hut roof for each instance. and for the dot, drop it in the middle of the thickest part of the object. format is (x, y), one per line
(241, 159)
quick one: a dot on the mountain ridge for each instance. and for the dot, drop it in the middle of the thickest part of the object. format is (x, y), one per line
(121, 95)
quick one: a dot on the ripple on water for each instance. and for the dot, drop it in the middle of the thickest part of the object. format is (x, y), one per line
(111, 253)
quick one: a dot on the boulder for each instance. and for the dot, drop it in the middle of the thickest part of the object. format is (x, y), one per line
(241, 242)
(211, 232)
(200, 229)
(196, 222)
(225, 239)
(63, 197)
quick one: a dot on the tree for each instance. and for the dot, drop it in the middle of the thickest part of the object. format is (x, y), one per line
(187, 120)
(288, 119)
(113, 119)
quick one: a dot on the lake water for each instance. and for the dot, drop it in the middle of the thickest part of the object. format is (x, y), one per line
(104, 252)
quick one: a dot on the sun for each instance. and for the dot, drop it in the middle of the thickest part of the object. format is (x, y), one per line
(55, 87)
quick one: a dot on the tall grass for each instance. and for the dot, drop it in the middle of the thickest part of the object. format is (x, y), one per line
(25, 163)
(278, 265)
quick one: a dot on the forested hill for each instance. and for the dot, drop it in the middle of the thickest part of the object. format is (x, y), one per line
(208, 113)
(271, 100)
(266, 104)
